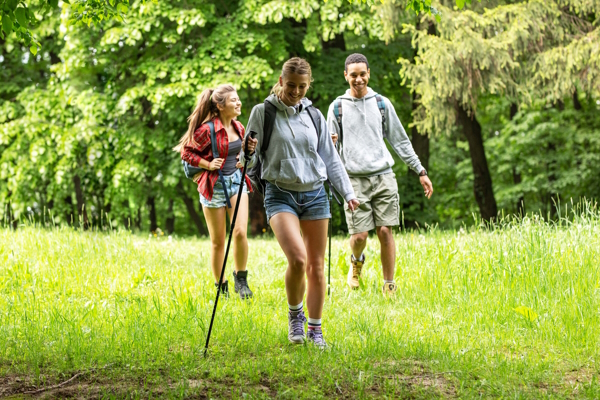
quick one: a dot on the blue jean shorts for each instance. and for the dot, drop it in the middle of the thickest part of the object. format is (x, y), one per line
(232, 183)
(306, 206)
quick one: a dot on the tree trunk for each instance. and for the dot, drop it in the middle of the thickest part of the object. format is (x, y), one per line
(190, 205)
(170, 223)
(257, 214)
(126, 220)
(420, 144)
(81, 211)
(152, 213)
(482, 183)
(517, 179)
(69, 214)
(138, 219)
(552, 198)
(576, 102)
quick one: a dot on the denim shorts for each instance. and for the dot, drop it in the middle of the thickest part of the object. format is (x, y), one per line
(232, 183)
(307, 206)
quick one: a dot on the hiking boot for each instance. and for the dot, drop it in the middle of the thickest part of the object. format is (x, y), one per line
(389, 289)
(315, 336)
(241, 284)
(296, 321)
(354, 272)
(224, 289)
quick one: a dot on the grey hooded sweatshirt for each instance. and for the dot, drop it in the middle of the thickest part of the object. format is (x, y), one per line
(297, 158)
(362, 148)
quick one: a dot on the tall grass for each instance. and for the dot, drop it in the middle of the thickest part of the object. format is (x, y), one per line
(508, 310)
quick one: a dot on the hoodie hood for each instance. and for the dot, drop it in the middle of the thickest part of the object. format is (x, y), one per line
(273, 99)
(360, 104)
(348, 96)
(291, 111)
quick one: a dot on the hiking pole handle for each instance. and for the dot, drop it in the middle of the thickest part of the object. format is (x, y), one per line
(250, 135)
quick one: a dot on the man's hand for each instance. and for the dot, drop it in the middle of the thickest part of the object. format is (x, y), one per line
(427, 186)
(334, 137)
(353, 204)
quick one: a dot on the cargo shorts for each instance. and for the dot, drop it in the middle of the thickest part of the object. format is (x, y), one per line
(379, 203)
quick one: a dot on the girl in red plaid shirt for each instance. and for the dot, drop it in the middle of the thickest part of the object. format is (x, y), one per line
(221, 106)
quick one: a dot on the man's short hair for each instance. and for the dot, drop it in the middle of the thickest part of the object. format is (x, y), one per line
(355, 59)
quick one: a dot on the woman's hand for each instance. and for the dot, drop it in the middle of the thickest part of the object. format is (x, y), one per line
(215, 164)
(251, 145)
(238, 164)
(334, 137)
(353, 204)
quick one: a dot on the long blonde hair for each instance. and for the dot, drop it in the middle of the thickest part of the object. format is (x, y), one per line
(206, 109)
(294, 65)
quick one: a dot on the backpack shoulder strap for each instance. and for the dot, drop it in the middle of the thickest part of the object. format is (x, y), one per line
(213, 139)
(268, 124)
(381, 106)
(315, 117)
(338, 113)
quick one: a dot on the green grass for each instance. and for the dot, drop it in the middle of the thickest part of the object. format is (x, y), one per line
(507, 312)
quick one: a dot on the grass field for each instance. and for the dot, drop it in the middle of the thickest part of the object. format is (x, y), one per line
(508, 312)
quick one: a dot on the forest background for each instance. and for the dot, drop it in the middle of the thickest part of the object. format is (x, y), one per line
(501, 100)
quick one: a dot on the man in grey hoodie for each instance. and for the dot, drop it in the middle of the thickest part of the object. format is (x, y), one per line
(361, 119)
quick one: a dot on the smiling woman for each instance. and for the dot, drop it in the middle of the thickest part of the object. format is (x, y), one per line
(214, 119)
(297, 158)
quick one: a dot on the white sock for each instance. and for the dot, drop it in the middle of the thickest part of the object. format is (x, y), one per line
(295, 308)
(314, 323)
(386, 281)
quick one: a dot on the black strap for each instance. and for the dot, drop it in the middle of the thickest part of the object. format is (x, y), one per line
(315, 117)
(215, 150)
(381, 106)
(268, 124)
(338, 112)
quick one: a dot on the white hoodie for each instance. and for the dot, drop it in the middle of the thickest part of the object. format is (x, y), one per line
(362, 148)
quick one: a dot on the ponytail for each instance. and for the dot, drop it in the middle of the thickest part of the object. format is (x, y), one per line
(206, 109)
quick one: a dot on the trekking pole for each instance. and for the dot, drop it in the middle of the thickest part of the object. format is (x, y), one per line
(329, 234)
(232, 225)
(330, 193)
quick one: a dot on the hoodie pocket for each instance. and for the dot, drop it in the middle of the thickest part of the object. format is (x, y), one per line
(297, 170)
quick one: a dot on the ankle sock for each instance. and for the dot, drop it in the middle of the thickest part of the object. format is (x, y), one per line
(386, 281)
(360, 259)
(296, 308)
(314, 324)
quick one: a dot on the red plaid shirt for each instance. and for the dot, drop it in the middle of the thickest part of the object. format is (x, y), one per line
(200, 148)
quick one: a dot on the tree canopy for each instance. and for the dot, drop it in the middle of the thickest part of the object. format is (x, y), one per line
(501, 101)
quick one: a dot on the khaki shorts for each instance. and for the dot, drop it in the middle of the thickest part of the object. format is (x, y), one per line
(379, 203)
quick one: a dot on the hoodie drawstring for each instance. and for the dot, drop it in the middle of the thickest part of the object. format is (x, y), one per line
(363, 111)
(290, 125)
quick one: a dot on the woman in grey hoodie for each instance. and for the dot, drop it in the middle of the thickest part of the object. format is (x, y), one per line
(295, 165)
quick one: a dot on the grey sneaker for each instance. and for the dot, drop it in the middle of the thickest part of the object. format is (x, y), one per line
(241, 284)
(315, 336)
(296, 321)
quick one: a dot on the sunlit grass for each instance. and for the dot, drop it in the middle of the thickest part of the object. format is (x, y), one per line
(508, 311)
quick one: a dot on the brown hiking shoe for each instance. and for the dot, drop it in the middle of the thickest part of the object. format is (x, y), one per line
(389, 289)
(354, 272)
